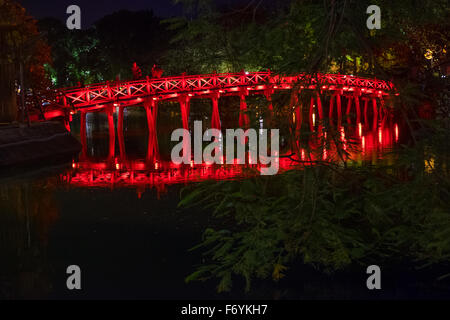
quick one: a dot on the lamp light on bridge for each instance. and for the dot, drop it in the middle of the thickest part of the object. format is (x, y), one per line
(246, 72)
(190, 94)
(155, 98)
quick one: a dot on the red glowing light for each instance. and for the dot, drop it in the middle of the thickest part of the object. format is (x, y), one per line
(165, 88)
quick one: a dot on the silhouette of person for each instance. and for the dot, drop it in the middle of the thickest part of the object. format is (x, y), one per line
(137, 73)
(157, 71)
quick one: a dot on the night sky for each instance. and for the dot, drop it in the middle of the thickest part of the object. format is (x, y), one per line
(92, 10)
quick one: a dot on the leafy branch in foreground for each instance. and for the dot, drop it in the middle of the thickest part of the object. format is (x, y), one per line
(329, 217)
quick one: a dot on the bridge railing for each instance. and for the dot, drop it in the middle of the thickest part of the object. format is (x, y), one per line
(114, 91)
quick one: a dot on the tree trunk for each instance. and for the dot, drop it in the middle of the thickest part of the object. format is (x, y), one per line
(8, 100)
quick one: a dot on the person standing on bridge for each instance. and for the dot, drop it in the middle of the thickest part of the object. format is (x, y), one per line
(157, 71)
(137, 73)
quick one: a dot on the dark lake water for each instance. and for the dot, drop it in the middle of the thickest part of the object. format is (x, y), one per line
(116, 216)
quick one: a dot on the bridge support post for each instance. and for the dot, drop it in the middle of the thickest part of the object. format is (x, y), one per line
(311, 115)
(366, 104)
(375, 114)
(339, 109)
(349, 105)
(320, 111)
(120, 133)
(83, 134)
(151, 109)
(383, 112)
(244, 120)
(330, 111)
(215, 118)
(112, 132)
(297, 113)
(185, 106)
(298, 118)
(358, 110)
(268, 94)
(319, 107)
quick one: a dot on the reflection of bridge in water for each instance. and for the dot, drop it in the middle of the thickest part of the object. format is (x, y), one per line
(118, 171)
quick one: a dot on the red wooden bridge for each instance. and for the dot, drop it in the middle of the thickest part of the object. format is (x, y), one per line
(148, 91)
(111, 97)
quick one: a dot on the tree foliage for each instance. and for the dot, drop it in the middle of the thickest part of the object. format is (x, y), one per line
(107, 50)
(330, 215)
(21, 44)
